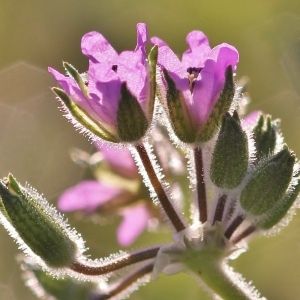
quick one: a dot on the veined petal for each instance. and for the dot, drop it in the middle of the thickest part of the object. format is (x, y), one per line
(211, 79)
(133, 224)
(87, 196)
(97, 48)
(169, 60)
(142, 38)
(105, 91)
(198, 52)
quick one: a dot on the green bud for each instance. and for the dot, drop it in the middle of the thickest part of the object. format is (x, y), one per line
(268, 183)
(264, 135)
(221, 107)
(34, 221)
(132, 122)
(82, 117)
(278, 212)
(179, 114)
(230, 156)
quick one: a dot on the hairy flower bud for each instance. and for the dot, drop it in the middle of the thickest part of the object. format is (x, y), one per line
(268, 183)
(264, 135)
(36, 226)
(230, 156)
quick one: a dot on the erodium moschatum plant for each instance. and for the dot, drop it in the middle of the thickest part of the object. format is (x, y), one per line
(243, 180)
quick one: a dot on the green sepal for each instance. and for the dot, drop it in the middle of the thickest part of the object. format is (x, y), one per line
(268, 183)
(230, 156)
(152, 59)
(60, 288)
(131, 120)
(222, 105)
(77, 77)
(264, 135)
(179, 114)
(35, 225)
(82, 117)
(279, 211)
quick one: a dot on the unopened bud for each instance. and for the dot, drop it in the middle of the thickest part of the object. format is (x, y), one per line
(33, 221)
(268, 183)
(230, 156)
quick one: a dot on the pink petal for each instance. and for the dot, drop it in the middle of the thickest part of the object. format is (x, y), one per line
(121, 160)
(198, 52)
(97, 48)
(211, 80)
(142, 38)
(157, 41)
(86, 196)
(133, 224)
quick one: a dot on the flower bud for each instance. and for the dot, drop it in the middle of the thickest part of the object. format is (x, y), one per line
(131, 120)
(230, 156)
(268, 183)
(279, 211)
(264, 135)
(35, 222)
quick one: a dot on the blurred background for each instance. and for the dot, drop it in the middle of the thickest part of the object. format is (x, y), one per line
(35, 139)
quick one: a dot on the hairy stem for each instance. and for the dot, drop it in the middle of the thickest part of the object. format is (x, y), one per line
(233, 226)
(220, 209)
(159, 190)
(116, 264)
(200, 188)
(126, 282)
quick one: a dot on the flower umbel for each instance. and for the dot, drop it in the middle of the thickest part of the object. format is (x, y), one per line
(243, 181)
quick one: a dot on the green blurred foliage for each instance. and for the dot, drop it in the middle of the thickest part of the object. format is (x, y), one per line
(35, 140)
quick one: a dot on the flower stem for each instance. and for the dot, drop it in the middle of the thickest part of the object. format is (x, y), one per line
(200, 188)
(159, 190)
(116, 264)
(220, 209)
(126, 283)
(221, 283)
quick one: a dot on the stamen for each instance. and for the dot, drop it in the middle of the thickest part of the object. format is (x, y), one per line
(192, 76)
(117, 264)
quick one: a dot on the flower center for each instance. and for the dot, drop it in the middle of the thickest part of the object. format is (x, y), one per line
(192, 74)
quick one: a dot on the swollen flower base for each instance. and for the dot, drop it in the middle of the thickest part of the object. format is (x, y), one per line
(243, 180)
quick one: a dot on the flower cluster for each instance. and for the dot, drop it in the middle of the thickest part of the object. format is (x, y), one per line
(243, 180)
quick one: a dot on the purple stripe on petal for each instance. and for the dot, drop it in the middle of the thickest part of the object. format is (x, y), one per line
(135, 220)
(86, 196)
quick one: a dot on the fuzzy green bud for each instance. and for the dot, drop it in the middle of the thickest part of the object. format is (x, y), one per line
(131, 120)
(230, 156)
(278, 212)
(35, 224)
(268, 183)
(264, 135)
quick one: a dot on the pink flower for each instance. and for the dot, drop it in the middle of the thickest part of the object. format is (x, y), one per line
(110, 79)
(91, 195)
(200, 76)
